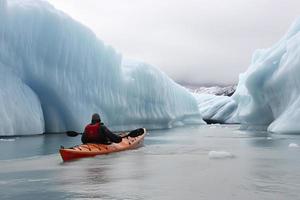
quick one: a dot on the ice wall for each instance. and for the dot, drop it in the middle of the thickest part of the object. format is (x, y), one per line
(3, 5)
(20, 108)
(57, 73)
(219, 109)
(268, 92)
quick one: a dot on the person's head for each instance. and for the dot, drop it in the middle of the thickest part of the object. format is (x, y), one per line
(96, 118)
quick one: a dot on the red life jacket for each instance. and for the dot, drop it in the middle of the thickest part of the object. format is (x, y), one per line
(92, 132)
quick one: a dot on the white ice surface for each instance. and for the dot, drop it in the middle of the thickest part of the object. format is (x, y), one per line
(218, 108)
(293, 145)
(220, 155)
(268, 93)
(55, 73)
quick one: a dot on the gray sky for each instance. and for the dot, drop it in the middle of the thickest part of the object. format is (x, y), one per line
(195, 41)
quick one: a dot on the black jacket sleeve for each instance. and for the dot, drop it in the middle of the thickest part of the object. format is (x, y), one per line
(83, 138)
(110, 135)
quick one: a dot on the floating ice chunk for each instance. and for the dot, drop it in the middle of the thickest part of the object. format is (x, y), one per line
(293, 145)
(7, 140)
(220, 154)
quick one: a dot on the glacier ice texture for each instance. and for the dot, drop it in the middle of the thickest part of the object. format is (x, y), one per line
(55, 73)
(217, 109)
(268, 93)
(214, 90)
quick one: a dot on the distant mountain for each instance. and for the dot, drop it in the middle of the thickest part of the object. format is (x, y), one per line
(215, 90)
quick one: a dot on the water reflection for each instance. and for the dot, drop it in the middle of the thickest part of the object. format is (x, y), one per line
(29, 146)
(173, 164)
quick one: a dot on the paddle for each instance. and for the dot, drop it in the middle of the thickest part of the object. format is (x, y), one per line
(133, 133)
(72, 133)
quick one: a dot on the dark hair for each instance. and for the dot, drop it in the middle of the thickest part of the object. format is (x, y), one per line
(96, 118)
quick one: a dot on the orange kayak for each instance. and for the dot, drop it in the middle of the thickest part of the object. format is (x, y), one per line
(90, 150)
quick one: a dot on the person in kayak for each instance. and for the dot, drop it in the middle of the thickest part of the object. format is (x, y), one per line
(97, 132)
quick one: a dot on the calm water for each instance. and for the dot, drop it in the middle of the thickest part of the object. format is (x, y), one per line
(173, 164)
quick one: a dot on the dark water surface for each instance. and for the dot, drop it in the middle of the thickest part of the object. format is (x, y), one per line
(205, 162)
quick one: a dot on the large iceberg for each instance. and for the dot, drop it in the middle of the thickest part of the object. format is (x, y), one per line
(268, 93)
(54, 73)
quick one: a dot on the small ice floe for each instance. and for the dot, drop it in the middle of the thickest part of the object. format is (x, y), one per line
(269, 138)
(7, 140)
(220, 154)
(293, 145)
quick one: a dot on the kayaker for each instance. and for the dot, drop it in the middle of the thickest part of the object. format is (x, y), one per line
(97, 132)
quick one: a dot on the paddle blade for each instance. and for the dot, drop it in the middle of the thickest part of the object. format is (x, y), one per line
(136, 133)
(72, 133)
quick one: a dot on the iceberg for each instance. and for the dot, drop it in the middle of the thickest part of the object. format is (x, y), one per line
(217, 109)
(55, 73)
(268, 93)
(20, 108)
(215, 104)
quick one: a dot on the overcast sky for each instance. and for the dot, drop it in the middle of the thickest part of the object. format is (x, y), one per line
(195, 41)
